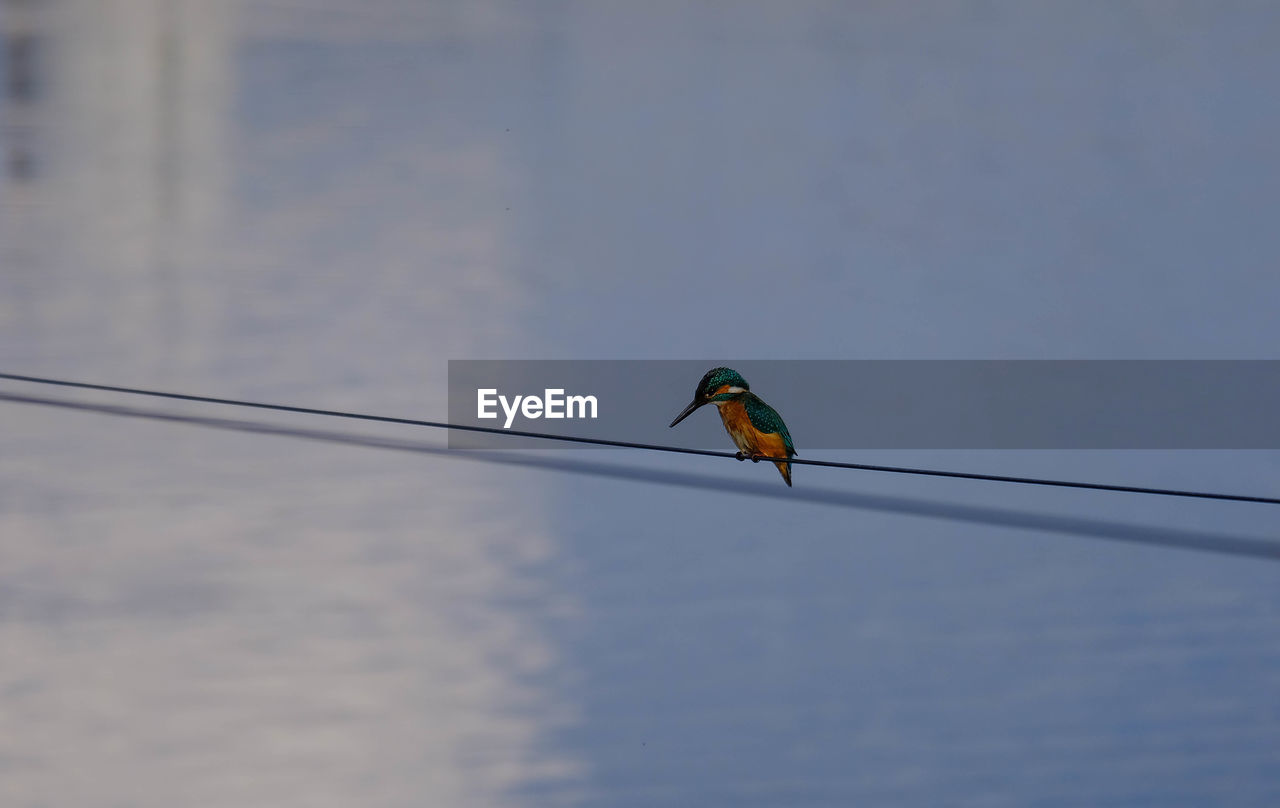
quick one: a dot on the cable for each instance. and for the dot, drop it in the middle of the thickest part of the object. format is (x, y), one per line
(1149, 535)
(964, 475)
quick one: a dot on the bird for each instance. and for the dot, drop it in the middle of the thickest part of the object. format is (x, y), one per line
(756, 428)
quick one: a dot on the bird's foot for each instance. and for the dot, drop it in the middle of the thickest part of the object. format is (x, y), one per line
(740, 456)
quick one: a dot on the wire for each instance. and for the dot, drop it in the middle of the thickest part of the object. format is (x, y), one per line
(964, 475)
(1149, 535)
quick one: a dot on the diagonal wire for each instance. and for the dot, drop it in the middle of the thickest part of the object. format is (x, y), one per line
(964, 475)
(1093, 528)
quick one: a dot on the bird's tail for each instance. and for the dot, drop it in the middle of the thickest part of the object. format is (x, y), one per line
(785, 468)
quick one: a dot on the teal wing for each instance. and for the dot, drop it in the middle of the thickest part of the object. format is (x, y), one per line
(766, 419)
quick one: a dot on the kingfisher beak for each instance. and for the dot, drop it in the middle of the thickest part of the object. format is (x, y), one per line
(693, 405)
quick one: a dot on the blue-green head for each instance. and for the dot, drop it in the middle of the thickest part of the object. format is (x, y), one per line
(719, 384)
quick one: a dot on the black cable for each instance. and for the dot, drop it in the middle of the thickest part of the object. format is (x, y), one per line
(1150, 535)
(964, 475)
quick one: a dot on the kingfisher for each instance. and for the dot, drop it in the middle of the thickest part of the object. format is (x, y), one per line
(756, 428)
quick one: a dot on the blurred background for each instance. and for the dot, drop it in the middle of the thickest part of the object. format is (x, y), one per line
(319, 203)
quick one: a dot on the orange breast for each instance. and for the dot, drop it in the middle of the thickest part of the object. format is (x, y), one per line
(738, 425)
(750, 440)
(747, 438)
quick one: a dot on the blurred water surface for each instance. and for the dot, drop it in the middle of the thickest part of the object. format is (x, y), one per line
(320, 203)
